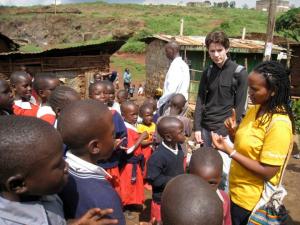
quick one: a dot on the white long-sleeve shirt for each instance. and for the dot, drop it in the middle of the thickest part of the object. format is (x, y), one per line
(177, 81)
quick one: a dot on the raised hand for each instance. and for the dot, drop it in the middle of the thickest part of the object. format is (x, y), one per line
(198, 137)
(219, 142)
(230, 124)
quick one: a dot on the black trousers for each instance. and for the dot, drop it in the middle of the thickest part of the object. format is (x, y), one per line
(239, 215)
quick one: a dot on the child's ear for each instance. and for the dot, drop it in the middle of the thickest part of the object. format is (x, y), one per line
(94, 146)
(16, 184)
(168, 137)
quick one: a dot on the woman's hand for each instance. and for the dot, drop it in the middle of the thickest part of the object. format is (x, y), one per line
(220, 143)
(198, 137)
(231, 125)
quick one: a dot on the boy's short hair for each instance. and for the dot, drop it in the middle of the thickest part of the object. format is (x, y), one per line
(218, 37)
(39, 81)
(15, 76)
(188, 199)
(166, 124)
(79, 115)
(21, 138)
(145, 107)
(95, 84)
(206, 157)
(59, 97)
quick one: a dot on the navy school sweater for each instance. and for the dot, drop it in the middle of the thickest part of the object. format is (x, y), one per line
(85, 191)
(162, 166)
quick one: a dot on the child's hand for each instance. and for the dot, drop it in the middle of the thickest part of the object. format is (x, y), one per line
(118, 143)
(145, 135)
(96, 216)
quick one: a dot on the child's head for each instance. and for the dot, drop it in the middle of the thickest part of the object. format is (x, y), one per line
(177, 104)
(87, 127)
(130, 112)
(146, 113)
(44, 85)
(21, 83)
(97, 77)
(98, 91)
(151, 101)
(122, 96)
(110, 90)
(30, 151)
(6, 96)
(62, 96)
(187, 199)
(171, 130)
(207, 163)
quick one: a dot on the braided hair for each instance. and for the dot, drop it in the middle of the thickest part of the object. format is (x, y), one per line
(61, 96)
(278, 82)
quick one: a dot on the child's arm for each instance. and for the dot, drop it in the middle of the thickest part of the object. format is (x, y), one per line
(142, 137)
(146, 143)
(94, 216)
(155, 172)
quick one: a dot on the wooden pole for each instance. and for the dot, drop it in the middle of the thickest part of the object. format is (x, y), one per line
(54, 7)
(181, 27)
(270, 30)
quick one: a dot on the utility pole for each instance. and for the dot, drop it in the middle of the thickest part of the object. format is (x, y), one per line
(55, 7)
(270, 30)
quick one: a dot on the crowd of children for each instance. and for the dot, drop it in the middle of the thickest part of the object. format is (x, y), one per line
(89, 161)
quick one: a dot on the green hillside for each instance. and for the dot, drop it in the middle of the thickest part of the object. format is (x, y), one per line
(39, 28)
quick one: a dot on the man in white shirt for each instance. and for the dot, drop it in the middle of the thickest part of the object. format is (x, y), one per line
(178, 76)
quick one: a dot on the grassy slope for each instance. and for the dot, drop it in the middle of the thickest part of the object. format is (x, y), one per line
(101, 19)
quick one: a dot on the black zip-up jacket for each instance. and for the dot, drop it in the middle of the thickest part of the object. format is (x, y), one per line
(220, 97)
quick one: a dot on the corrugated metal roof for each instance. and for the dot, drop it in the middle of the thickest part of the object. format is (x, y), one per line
(199, 41)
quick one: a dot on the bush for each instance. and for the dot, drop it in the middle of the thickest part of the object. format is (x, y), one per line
(296, 112)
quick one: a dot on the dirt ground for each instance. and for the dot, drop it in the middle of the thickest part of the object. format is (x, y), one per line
(291, 178)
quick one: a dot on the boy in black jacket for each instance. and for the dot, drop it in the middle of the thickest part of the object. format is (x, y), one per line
(166, 162)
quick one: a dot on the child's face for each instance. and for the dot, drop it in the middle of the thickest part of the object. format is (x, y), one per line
(23, 88)
(99, 93)
(147, 116)
(50, 165)
(97, 77)
(177, 134)
(51, 85)
(6, 96)
(131, 114)
(123, 98)
(111, 94)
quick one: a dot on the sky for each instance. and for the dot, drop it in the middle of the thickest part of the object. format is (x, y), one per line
(239, 3)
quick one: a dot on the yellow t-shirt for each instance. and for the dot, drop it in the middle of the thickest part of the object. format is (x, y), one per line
(268, 144)
(149, 129)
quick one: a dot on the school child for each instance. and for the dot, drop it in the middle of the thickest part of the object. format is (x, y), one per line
(122, 96)
(131, 179)
(131, 90)
(60, 97)
(141, 90)
(98, 91)
(166, 161)
(30, 151)
(152, 102)
(24, 105)
(43, 86)
(111, 97)
(146, 113)
(86, 126)
(6, 98)
(178, 107)
(189, 200)
(207, 163)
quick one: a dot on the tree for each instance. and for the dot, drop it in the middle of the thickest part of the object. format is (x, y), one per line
(232, 4)
(289, 24)
(245, 6)
(225, 4)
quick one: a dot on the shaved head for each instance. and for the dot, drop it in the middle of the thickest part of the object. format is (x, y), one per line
(167, 124)
(84, 120)
(187, 199)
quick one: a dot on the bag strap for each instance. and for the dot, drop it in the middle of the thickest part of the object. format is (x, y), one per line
(289, 151)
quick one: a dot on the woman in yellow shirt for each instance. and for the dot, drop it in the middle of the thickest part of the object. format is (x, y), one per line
(261, 141)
